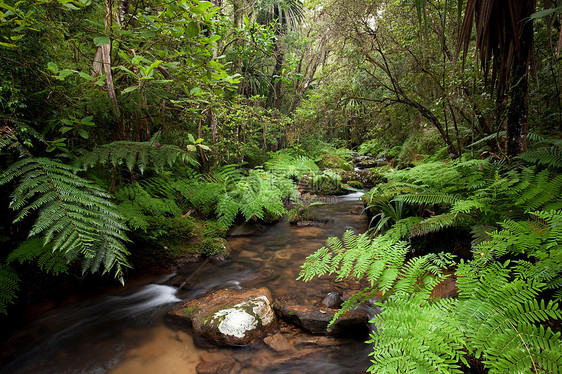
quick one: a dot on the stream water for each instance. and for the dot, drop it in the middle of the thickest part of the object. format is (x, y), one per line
(125, 332)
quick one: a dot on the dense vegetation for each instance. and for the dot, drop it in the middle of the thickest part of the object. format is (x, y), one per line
(135, 130)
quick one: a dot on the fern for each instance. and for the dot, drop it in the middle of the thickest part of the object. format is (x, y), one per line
(259, 194)
(136, 154)
(53, 262)
(538, 191)
(9, 285)
(75, 217)
(287, 165)
(380, 260)
(551, 157)
(538, 240)
(498, 317)
(416, 336)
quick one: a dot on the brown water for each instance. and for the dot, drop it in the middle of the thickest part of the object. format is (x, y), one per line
(125, 333)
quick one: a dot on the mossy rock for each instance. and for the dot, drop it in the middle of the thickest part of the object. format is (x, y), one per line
(214, 248)
(231, 317)
(330, 161)
(300, 214)
(355, 184)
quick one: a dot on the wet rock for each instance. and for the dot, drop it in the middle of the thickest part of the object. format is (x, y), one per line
(231, 317)
(370, 163)
(278, 342)
(247, 229)
(332, 300)
(318, 341)
(265, 364)
(369, 178)
(215, 364)
(316, 320)
(315, 223)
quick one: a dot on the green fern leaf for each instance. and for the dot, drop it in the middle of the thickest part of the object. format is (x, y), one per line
(75, 217)
(9, 285)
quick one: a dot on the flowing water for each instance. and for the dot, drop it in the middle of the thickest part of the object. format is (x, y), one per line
(125, 332)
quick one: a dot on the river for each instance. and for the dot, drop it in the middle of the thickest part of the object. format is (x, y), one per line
(125, 332)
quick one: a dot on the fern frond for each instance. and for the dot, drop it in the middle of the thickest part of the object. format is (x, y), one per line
(551, 157)
(498, 318)
(53, 262)
(287, 165)
(140, 154)
(536, 190)
(430, 198)
(433, 224)
(9, 285)
(379, 260)
(414, 335)
(73, 213)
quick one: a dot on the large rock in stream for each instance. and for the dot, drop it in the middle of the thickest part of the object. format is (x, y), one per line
(231, 317)
(316, 320)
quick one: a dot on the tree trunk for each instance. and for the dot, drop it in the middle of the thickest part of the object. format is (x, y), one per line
(518, 110)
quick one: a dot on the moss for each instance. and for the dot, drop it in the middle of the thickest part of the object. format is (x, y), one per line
(211, 247)
(331, 161)
(376, 177)
(300, 213)
(355, 184)
(190, 310)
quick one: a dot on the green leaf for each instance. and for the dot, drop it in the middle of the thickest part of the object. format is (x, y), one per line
(192, 29)
(63, 74)
(101, 40)
(85, 76)
(129, 89)
(128, 71)
(545, 12)
(83, 133)
(87, 120)
(53, 67)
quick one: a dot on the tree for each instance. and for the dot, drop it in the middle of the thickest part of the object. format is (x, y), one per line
(504, 41)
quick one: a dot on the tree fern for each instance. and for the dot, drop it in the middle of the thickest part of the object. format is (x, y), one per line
(75, 217)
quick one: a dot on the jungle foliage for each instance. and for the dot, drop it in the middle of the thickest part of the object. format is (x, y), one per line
(127, 125)
(509, 283)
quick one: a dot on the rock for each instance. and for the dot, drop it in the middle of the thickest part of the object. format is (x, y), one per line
(231, 317)
(278, 342)
(247, 229)
(332, 300)
(316, 320)
(215, 364)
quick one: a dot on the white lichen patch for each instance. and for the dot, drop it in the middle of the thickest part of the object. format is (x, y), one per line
(263, 309)
(236, 322)
(243, 317)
